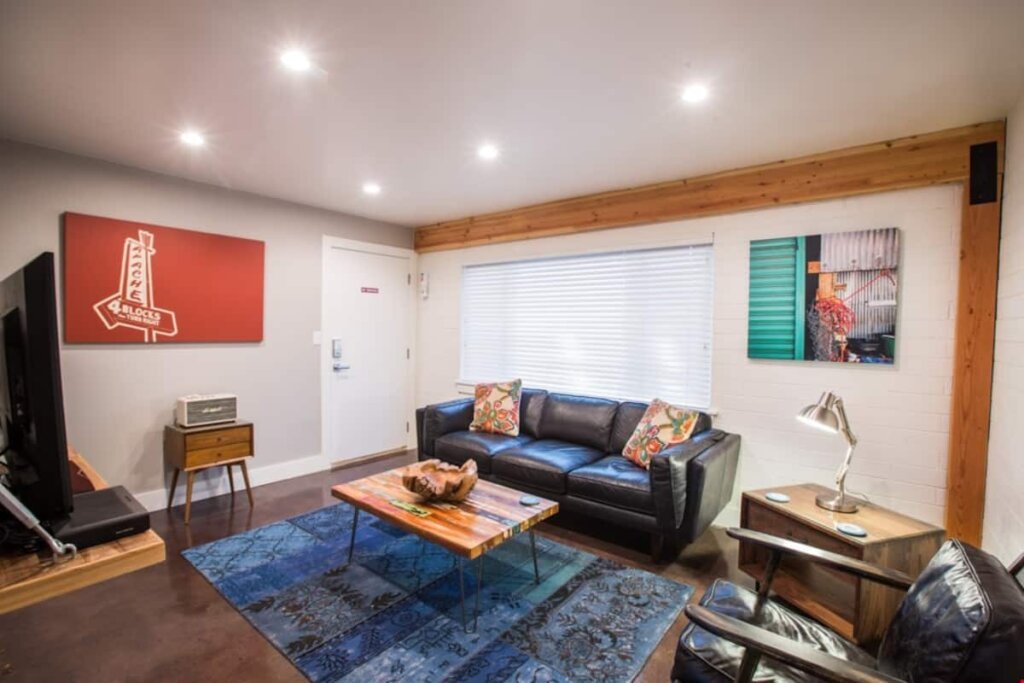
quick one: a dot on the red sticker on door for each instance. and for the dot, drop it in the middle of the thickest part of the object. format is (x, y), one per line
(369, 290)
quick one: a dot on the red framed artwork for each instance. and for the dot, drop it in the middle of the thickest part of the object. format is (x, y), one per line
(127, 283)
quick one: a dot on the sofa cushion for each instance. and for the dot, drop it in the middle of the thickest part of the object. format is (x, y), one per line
(626, 419)
(543, 464)
(458, 447)
(962, 620)
(613, 480)
(531, 407)
(703, 656)
(578, 419)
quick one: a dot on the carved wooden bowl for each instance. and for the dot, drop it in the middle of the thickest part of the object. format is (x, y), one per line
(434, 480)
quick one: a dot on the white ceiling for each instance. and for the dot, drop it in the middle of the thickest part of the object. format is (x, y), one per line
(581, 95)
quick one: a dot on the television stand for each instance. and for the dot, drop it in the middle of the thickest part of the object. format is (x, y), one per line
(102, 516)
(61, 550)
(28, 579)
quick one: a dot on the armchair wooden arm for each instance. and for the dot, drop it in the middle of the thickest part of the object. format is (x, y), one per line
(1017, 568)
(798, 655)
(882, 575)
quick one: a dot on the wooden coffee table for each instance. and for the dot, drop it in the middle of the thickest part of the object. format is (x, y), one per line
(491, 515)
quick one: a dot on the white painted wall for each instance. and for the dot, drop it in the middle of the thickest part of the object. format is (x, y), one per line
(1004, 512)
(900, 413)
(119, 397)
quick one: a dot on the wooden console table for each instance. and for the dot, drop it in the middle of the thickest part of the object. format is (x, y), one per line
(856, 609)
(28, 579)
(193, 449)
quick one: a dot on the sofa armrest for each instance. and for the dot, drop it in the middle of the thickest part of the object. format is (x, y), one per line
(710, 478)
(689, 480)
(440, 419)
(421, 414)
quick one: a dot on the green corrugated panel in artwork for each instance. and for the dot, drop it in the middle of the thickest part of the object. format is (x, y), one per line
(775, 319)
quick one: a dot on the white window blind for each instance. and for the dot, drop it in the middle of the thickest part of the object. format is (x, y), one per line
(625, 325)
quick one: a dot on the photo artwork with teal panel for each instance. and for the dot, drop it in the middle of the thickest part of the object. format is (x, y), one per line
(831, 297)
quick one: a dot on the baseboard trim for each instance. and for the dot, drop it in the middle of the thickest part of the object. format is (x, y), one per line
(214, 482)
(366, 459)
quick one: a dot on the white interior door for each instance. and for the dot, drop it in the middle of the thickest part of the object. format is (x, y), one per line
(367, 352)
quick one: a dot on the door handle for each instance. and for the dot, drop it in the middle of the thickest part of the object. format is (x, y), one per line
(336, 355)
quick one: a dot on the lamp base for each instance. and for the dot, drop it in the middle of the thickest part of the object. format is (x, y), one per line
(837, 502)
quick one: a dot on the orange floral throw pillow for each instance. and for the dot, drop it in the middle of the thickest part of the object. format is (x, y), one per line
(496, 408)
(662, 425)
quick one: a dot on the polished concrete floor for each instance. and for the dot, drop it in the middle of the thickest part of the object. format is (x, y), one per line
(166, 623)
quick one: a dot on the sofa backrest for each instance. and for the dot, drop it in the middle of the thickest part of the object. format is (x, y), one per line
(628, 418)
(579, 419)
(531, 407)
(962, 620)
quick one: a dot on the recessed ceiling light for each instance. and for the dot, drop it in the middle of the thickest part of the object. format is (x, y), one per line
(487, 151)
(192, 138)
(695, 92)
(296, 60)
(371, 188)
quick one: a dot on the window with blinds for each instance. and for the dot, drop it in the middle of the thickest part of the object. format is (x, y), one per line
(625, 325)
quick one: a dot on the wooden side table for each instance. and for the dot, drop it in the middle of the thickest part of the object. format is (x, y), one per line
(855, 608)
(193, 449)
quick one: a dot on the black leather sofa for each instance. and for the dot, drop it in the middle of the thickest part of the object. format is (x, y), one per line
(569, 450)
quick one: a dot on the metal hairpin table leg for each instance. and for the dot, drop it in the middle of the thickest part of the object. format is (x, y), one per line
(462, 593)
(352, 539)
(533, 547)
(479, 589)
(476, 599)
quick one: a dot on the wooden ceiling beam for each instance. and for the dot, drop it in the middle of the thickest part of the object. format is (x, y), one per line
(914, 161)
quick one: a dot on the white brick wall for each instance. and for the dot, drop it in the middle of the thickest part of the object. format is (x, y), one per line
(900, 414)
(1004, 511)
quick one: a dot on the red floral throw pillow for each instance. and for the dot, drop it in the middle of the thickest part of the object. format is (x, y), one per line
(496, 408)
(662, 425)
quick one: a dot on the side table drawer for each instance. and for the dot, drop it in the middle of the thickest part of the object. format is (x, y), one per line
(228, 435)
(208, 456)
(764, 519)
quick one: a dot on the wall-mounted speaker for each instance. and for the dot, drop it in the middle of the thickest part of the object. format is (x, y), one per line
(984, 173)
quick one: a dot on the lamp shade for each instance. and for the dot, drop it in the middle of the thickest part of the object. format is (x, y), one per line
(820, 415)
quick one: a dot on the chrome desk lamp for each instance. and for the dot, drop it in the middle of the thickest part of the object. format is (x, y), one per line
(829, 415)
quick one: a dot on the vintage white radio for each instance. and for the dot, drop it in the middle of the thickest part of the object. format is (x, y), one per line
(203, 409)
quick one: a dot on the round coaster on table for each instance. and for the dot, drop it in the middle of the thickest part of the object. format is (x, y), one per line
(851, 529)
(776, 497)
(529, 500)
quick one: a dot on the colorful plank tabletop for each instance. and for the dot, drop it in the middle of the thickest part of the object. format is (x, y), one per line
(489, 516)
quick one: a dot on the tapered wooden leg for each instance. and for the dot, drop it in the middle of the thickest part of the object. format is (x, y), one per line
(231, 479)
(245, 475)
(174, 485)
(188, 496)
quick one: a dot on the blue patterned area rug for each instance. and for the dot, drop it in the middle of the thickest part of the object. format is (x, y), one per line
(393, 614)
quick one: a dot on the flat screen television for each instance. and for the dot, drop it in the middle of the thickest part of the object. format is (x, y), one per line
(31, 394)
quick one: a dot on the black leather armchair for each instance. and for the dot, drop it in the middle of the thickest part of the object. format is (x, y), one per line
(569, 449)
(962, 620)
